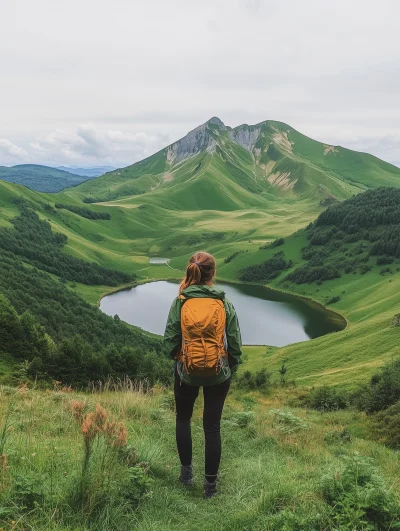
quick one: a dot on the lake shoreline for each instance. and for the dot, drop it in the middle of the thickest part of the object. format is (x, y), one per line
(320, 320)
(317, 303)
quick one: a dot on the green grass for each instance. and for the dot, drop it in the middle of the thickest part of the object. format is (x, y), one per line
(265, 472)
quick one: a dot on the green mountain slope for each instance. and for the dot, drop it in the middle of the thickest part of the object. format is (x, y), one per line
(41, 178)
(350, 258)
(219, 168)
(228, 190)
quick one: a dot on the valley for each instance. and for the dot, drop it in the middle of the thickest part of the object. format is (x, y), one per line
(219, 195)
(276, 210)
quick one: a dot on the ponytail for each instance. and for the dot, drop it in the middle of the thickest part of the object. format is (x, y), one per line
(200, 269)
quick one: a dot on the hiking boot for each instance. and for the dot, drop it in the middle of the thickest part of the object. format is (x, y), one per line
(186, 477)
(210, 488)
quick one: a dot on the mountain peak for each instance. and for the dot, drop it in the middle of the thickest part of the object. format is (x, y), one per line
(216, 121)
(200, 139)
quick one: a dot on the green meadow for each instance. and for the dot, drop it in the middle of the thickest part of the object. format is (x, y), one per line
(279, 464)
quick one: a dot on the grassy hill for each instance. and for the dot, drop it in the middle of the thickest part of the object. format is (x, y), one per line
(221, 197)
(220, 188)
(285, 467)
(96, 171)
(367, 300)
(219, 168)
(41, 178)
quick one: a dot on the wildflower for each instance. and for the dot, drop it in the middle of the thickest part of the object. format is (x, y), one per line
(122, 436)
(89, 428)
(100, 416)
(77, 410)
(109, 430)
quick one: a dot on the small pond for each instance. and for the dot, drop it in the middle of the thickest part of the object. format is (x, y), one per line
(158, 260)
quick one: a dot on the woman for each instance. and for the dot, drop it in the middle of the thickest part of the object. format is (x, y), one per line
(203, 336)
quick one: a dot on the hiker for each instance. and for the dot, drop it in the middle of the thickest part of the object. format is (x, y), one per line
(203, 336)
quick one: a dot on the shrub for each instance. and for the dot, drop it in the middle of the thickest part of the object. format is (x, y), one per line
(276, 243)
(358, 497)
(327, 399)
(365, 268)
(333, 300)
(242, 418)
(288, 422)
(258, 380)
(268, 270)
(84, 212)
(384, 260)
(386, 426)
(110, 472)
(231, 257)
(396, 320)
(382, 391)
(337, 436)
(137, 484)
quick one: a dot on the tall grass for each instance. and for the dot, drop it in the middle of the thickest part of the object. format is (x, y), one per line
(70, 465)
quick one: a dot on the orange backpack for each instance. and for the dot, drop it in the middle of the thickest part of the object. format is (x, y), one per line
(203, 323)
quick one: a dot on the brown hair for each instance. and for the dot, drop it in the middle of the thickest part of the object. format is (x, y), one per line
(200, 270)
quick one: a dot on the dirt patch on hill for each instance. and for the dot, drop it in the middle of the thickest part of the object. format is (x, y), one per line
(282, 180)
(167, 177)
(282, 140)
(330, 149)
(268, 167)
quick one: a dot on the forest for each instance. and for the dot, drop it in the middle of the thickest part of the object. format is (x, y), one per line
(51, 331)
(33, 240)
(267, 270)
(354, 236)
(62, 337)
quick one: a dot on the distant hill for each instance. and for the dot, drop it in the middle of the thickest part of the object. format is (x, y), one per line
(216, 167)
(87, 172)
(41, 178)
(355, 236)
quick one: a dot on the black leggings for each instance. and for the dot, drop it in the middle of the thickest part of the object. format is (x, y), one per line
(214, 398)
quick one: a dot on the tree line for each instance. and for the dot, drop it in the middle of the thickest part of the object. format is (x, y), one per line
(33, 239)
(352, 236)
(63, 337)
(84, 212)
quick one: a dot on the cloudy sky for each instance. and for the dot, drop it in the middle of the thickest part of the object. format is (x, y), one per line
(92, 82)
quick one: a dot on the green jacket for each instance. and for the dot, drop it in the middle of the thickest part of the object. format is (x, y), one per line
(173, 334)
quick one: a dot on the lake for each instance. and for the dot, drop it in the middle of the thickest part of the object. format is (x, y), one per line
(266, 317)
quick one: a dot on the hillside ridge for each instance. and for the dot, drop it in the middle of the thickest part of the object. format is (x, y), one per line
(42, 178)
(243, 167)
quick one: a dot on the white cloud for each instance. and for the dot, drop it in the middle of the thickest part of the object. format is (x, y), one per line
(90, 145)
(10, 152)
(150, 67)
